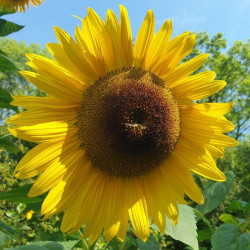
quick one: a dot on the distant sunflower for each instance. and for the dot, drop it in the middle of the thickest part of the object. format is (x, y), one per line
(119, 132)
(19, 4)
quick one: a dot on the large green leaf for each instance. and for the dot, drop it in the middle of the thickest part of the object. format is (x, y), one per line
(5, 99)
(8, 145)
(7, 27)
(229, 237)
(6, 63)
(49, 245)
(20, 195)
(4, 238)
(244, 241)
(186, 230)
(150, 244)
(215, 192)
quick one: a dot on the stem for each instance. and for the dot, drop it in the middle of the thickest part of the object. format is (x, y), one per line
(106, 246)
(84, 243)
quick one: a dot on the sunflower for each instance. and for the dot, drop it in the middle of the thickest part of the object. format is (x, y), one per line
(19, 4)
(119, 133)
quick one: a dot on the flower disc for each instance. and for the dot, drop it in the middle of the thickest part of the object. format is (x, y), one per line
(128, 122)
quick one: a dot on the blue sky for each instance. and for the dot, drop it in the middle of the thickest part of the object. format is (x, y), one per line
(231, 17)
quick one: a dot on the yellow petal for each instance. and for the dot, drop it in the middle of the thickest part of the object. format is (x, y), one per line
(174, 53)
(158, 46)
(185, 69)
(56, 171)
(144, 39)
(56, 88)
(50, 68)
(84, 72)
(138, 213)
(40, 157)
(41, 103)
(92, 45)
(126, 38)
(108, 50)
(36, 117)
(45, 132)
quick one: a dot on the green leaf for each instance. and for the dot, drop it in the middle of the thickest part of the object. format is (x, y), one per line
(245, 225)
(226, 236)
(150, 244)
(68, 245)
(5, 99)
(185, 230)
(6, 11)
(247, 207)
(20, 207)
(4, 238)
(6, 63)
(8, 145)
(41, 235)
(20, 195)
(228, 218)
(7, 27)
(235, 206)
(204, 234)
(205, 220)
(2, 53)
(244, 241)
(49, 245)
(8, 230)
(215, 192)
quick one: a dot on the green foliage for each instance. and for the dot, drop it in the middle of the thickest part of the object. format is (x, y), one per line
(6, 99)
(6, 63)
(185, 230)
(150, 244)
(20, 195)
(8, 145)
(6, 11)
(7, 27)
(49, 245)
(228, 236)
(215, 192)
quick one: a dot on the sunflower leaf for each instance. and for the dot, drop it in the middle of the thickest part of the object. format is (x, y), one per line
(228, 236)
(5, 99)
(151, 243)
(215, 192)
(8, 230)
(4, 238)
(8, 145)
(20, 195)
(7, 27)
(186, 230)
(49, 245)
(4, 11)
(6, 63)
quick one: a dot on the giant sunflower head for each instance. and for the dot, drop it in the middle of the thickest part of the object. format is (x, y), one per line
(19, 5)
(119, 133)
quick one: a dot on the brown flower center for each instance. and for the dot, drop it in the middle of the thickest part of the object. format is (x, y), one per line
(128, 122)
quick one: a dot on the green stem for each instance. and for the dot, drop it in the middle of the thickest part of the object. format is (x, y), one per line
(84, 243)
(106, 246)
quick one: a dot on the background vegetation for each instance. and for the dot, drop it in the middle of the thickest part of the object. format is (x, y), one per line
(223, 222)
